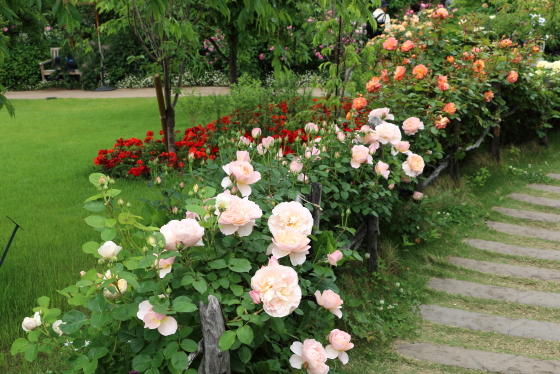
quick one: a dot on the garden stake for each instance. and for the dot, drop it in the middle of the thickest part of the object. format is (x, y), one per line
(10, 241)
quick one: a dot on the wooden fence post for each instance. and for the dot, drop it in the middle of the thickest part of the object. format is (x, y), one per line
(372, 238)
(213, 327)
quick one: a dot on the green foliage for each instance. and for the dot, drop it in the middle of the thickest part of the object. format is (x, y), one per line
(479, 179)
(21, 69)
(530, 175)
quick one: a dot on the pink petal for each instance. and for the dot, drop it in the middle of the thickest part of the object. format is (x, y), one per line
(254, 177)
(297, 348)
(343, 357)
(332, 353)
(163, 272)
(278, 253)
(226, 182)
(318, 297)
(256, 296)
(296, 361)
(297, 258)
(247, 229)
(354, 164)
(151, 321)
(336, 311)
(144, 308)
(228, 229)
(168, 326)
(245, 189)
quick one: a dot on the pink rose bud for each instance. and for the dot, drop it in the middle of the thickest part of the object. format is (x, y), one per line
(256, 132)
(244, 140)
(311, 127)
(158, 180)
(391, 186)
(273, 261)
(260, 149)
(406, 180)
(340, 136)
(256, 296)
(268, 142)
(182, 185)
(82, 273)
(417, 195)
(334, 257)
(175, 210)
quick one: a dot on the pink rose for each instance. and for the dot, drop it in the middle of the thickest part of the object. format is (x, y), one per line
(382, 169)
(268, 142)
(290, 242)
(261, 150)
(311, 127)
(407, 46)
(312, 152)
(164, 265)
(296, 166)
(334, 257)
(340, 136)
(109, 250)
(442, 82)
(303, 178)
(245, 141)
(277, 288)
(391, 186)
(256, 132)
(413, 166)
(417, 195)
(382, 113)
(255, 296)
(360, 154)
(512, 76)
(261, 56)
(330, 301)
(310, 355)
(192, 215)
(165, 324)
(185, 233)
(412, 125)
(441, 13)
(401, 147)
(243, 173)
(373, 147)
(239, 216)
(291, 215)
(388, 133)
(340, 343)
(390, 44)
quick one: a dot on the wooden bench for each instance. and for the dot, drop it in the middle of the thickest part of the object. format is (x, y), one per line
(53, 67)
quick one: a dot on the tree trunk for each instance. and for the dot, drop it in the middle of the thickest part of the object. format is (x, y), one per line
(232, 61)
(454, 166)
(170, 109)
(496, 144)
(372, 237)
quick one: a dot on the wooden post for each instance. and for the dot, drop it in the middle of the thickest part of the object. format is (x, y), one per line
(212, 323)
(161, 105)
(496, 143)
(372, 237)
(315, 200)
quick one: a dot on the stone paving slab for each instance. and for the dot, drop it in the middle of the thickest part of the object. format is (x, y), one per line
(517, 250)
(545, 187)
(477, 359)
(505, 269)
(508, 228)
(524, 328)
(553, 203)
(484, 291)
(526, 214)
(552, 175)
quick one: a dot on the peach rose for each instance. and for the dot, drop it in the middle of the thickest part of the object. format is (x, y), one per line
(244, 175)
(310, 355)
(268, 142)
(165, 324)
(412, 125)
(442, 122)
(401, 147)
(420, 71)
(382, 113)
(256, 132)
(335, 257)
(505, 43)
(290, 242)
(400, 72)
(382, 169)
(536, 49)
(360, 154)
(185, 233)
(512, 76)
(340, 343)
(488, 96)
(442, 83)
(517, 59)
(278, 289)
(441, 13)
(407, 46)
(373, 85)
(122, 285)
(478, 66)
(330, 301)
(359, 103)
(414, 165)
(390, 44)
(296, 166)
(385, 76)
(450, 59)
(290, 215)
(388, 133)
(450, 108)
(239, 216)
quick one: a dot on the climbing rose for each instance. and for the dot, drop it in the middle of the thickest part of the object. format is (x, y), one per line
(478, 66)
(442, 83)
(290, 215)
(165, 324)
(441, 13)
(488, 96)
(390, 44)
(388, 133)
(340, 343)
(359, 103)
(373, 85)
(450, 108)
(109, 250)
(512, 77)
(420, 71)
(277, 287)
(310, 355)
(290, 242)
(412, 125)
(360, 154)
(30, 324)
(414, 165)
(187, 232)
(239, 216)
(505, 43)
(399, 73)
(407, 46)
(330, 301)
(442, 122)
(335, 257)
(382, 169)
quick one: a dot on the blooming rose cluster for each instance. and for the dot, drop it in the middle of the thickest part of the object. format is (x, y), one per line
(242, 173)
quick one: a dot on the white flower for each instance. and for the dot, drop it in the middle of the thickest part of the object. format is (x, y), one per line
(109, 250)
(30, 324)
(56, 326)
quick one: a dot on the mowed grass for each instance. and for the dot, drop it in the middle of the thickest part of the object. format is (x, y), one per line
(47, 156)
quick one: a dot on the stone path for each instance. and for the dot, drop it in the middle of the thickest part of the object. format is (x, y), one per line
(523, 328)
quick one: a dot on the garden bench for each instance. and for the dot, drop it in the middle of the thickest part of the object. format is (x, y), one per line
(53, 67)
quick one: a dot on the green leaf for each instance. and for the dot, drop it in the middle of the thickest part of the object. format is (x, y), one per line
(98, 320)
(236, 289)
(43, 301)
(226, 340)
(196, 209)
(108, 234)
(179, 360)
(218, 264)
(74, 321)
(245, 334)
(130, 278)
(90, 367)
(93, 178)
(113, 192)
(18, 346)
(95, 221)
(239, 265)
(183, 304)
(141, 362)
(277, 325)
(90, 247)
(200, 285)
(98, 352)
(244, 354)
(189, 345)
(97, 304)
(95, 206)
(170, 350)
(31, 352)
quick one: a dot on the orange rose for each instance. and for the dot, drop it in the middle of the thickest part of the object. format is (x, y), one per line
(536, 49)
(442, 122)
(359, 102)
(385, 76)
(407, 46)
(450, 59)
(488, 96)
(505, 43)
(441, 13)
(442, 83)
(517, 59)
(450, 108)
(512, 76)
(390, 44)
(478, 66)
(399, 73)
(373, 85)
(420, 71)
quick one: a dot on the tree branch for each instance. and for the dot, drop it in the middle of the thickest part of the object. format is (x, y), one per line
(218, 49)
(511, 113)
